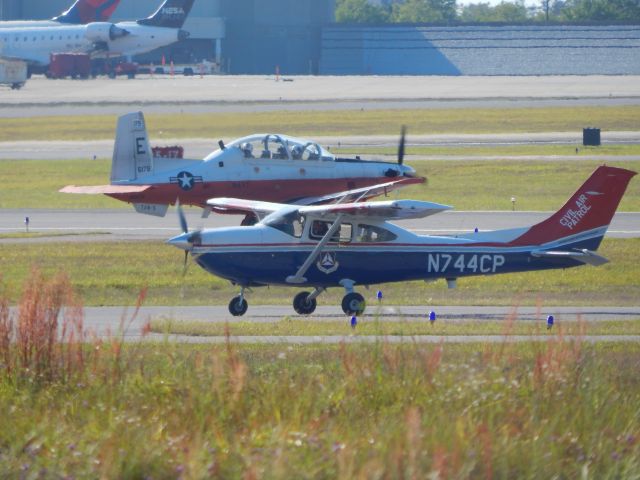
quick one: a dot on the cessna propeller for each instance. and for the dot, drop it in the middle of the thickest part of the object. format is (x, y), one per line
(187, 239)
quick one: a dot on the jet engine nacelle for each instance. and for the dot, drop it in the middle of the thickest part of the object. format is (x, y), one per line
(104, 32)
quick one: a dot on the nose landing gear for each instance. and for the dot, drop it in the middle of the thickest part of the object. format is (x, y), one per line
(238, 305)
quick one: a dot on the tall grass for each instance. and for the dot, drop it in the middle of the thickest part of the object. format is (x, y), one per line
(561, 409)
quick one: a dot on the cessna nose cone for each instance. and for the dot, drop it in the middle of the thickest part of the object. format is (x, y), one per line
(183, 35)
(182, 241)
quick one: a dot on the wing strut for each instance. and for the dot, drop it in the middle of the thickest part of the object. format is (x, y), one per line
(298, 277)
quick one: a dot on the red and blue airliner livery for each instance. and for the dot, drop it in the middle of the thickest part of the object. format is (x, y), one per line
(350, 244)
(88, 11)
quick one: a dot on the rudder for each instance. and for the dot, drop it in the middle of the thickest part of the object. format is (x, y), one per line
(171, 14)
(132, 158)
(591, 208)
(87, 11)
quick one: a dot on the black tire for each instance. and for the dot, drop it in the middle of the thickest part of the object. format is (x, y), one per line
(238, 306)
(353, 304)
(302, 305)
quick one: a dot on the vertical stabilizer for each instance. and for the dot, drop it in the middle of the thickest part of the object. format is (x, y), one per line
(87, 11)
(132, 158)
(588, 212)
(171, 14)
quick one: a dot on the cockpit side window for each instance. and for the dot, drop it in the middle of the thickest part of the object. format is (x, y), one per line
(374, 234)
(291, 224)
(319, 229)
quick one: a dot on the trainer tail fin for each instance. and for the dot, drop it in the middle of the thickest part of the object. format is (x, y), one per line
(587, 214)
(171, 14)
(87, 11)
(132, 157)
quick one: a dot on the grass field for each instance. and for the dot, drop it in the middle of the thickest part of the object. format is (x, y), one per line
(497, 150)
(467, 185)
(320, 123)
(379, 327)
(114, 273)
(87, 408)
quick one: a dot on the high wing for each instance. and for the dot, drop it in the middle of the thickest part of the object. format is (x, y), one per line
(238, 205)
(395, 209)
(357, 205)
(361, 194)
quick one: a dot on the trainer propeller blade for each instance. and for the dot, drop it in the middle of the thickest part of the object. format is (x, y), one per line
(183, 219)
(401, 147)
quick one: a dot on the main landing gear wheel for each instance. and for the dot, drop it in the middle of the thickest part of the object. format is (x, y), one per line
(353, 304)
(238, 306)
(302, 305)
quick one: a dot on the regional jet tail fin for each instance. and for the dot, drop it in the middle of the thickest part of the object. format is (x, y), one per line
(87, 11)
(582, 222)
(171, 14)
(132, 156)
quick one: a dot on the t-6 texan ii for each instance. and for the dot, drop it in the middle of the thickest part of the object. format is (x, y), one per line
(263, 167)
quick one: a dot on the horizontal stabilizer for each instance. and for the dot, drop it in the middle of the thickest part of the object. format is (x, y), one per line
(106, 189)
(585, 256)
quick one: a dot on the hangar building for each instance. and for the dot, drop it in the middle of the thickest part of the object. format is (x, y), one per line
(245, 36)
(300, 37)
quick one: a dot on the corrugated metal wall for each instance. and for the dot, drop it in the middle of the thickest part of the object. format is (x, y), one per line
(508, 50)
(284, 33)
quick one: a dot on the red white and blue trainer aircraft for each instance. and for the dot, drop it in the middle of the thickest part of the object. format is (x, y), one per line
(350, 244)
(265, 167)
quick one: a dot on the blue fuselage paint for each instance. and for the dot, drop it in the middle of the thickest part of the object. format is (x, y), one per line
(370, 266)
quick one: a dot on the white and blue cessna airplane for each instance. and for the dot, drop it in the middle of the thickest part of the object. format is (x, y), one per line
(350, 244)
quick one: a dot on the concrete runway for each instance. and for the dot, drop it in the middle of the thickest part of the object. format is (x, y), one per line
(199, 148)
(122, 225)
(112, 321)
(251, 93)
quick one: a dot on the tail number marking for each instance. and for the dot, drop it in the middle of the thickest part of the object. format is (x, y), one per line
(440, 263)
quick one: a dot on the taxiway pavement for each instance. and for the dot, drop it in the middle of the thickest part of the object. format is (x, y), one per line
(124, 224)
(186, 91)
(107, 322)
(199, 148)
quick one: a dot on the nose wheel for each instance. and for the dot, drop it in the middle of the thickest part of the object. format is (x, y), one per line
(238, 306)
(353, 304)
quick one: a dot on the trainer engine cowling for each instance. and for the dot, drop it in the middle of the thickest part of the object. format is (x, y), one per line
(104, 32)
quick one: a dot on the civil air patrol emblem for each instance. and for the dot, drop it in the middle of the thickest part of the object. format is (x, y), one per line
(327, 263)
(185, 180)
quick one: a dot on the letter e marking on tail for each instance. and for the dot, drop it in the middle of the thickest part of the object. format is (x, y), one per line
(140, 150)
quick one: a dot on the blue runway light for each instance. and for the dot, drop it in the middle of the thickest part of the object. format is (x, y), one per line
(379, 295)
(432, 317)
(354, 322)
(550, 321)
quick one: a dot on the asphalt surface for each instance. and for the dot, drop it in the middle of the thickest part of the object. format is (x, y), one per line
(119, 225)
(254, 93)
(199, 148)
(107, 322)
